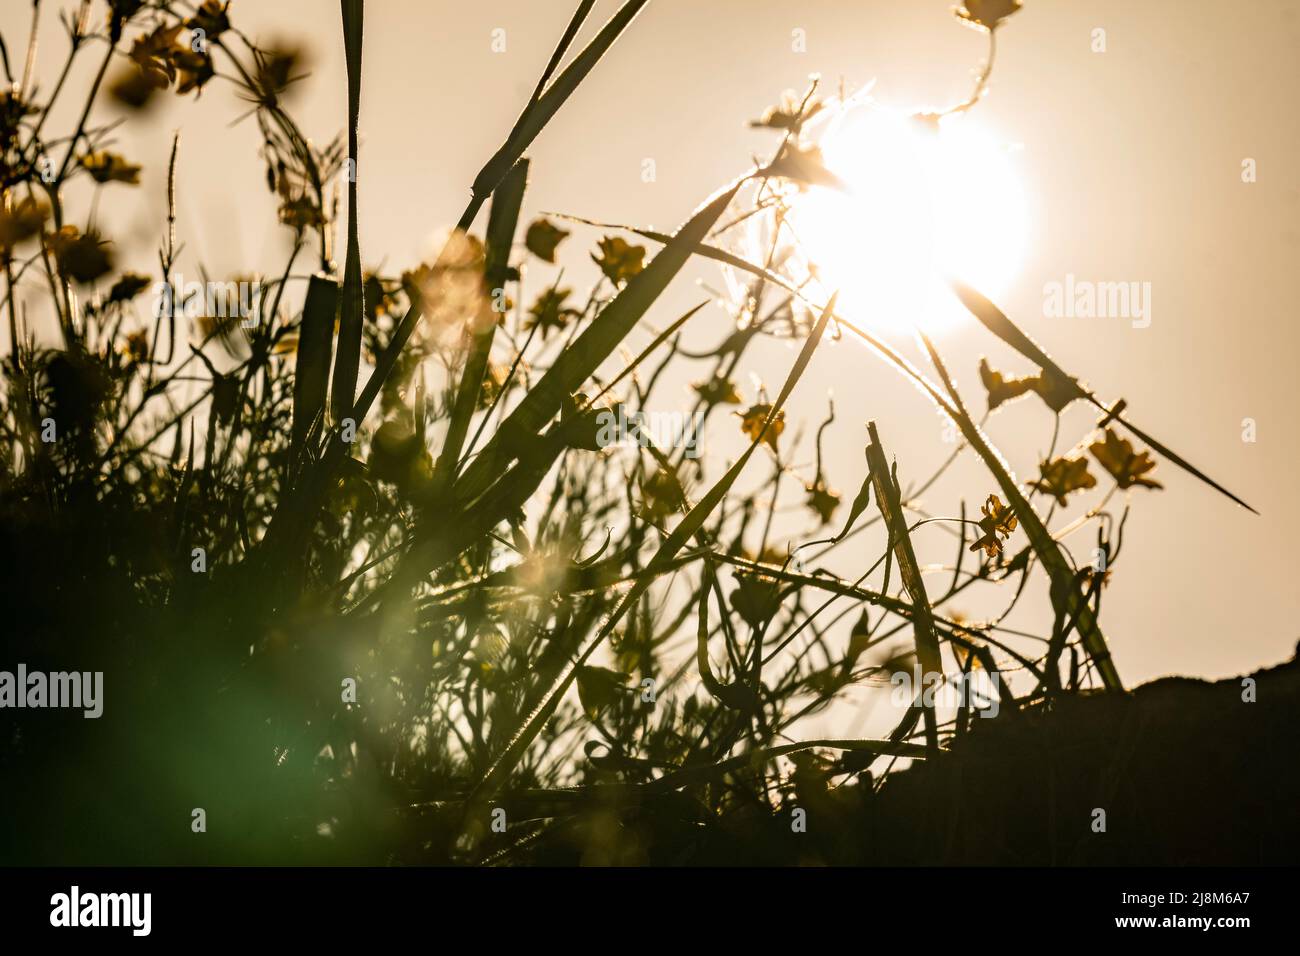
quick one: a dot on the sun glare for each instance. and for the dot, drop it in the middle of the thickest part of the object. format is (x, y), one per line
(924, 204)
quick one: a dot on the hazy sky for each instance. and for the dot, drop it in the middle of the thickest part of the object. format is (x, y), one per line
(1131, 166)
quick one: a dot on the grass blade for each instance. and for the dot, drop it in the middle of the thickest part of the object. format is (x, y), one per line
(503, 219)
(351, 305)
(889, 501)
(993, 319)
(312, 369)
(543, 107)
(596, 343)
(686, 529)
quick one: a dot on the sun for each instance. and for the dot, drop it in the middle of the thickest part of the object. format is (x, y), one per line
(926, 201)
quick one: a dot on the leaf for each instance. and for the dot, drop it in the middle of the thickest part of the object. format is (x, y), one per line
(859, 505)
(543, 237)
(1061, 476)
(1116, 455)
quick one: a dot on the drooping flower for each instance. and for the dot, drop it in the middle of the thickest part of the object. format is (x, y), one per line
(542, 238)
(1060, 476)
(619, 260)
(82, 257)
(106, 167)
(751, 423)
(986, 14)
(998, 519)
(550, 312)
(1127, 467)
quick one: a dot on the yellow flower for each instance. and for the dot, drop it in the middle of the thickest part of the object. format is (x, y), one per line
(1061, 476)
(1128, 468)
(717, 391)
(549, 312)
(998, 520)
(542, 238)
(83, 258)
(822, 500)
(618, 259)
(986, 14)
(21, 221)
(106, 167)
(751, 423)
(1000, 388)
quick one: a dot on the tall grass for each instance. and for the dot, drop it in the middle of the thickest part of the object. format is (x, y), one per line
(369, 625)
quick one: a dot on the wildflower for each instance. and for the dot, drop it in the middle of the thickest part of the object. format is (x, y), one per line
(300, 212)
(662, 495)
(494, 380)
(998, 520)
(986, 14)
(211, 17)
(1061, 476)
(1000, 388)
(154, 53)
(195, 69)
(455, 287)
(20, 221)
(12, 112)
(717, 391)
(273, 72)
(549, 312)
(805, 166)
(618, 259)
(83, 258)
(136, 347)
(822, 499)
(132, 89)
(128, 287)
(758, 596)
(751, 423)
(106, 167)
(1116, 455)
(542, 237)
(787, 115)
